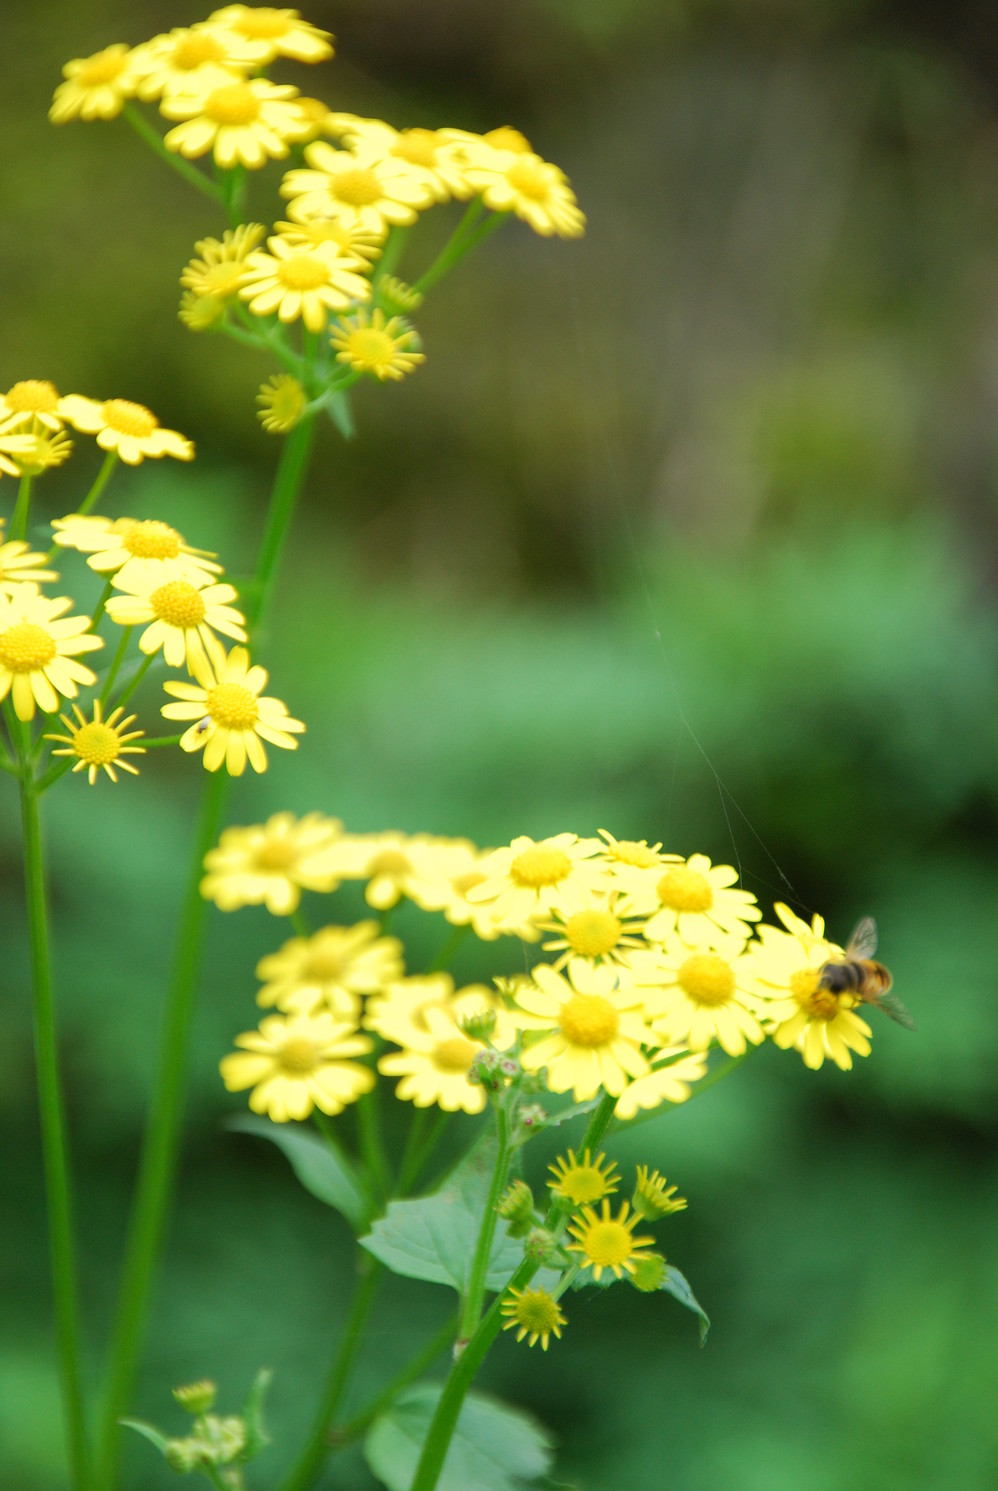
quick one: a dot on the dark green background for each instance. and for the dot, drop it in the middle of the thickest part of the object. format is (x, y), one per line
(686, 530)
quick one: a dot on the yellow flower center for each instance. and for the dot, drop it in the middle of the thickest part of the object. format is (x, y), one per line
(823, 1004)
(223, 280)
(151, 540)
(298, 1056)
(682, 889)
(608, 1243)
(235, 103)
(32, 396)
(232, 705)
(540, 865)
(324, 962)
(178, 604)
(455, 1054)
(275, 854)
(25, 647)
(195, 49)
(529, 180)
(262, 23)
(630, 853)
(102, 68)
(97, 743)
(302, 272)
(707, 979)
(593, 933)
(507, 138)
(537, 1311)
(588, 1020)
(390, 862)
(582, 1184)
(417, 146)
(357, 188)
(463, 883)
(128, 418)
(371, 347)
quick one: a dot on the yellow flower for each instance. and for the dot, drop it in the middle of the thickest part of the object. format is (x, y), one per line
(695, 997)
(231, 719)
(533, 1313)
(626, 855)
(431, 155)
(673, 1070)
(186, 60)
(282, 402)
(128, 544)
(331, 969)
(368, 343)
(696, 901)
(590, 1028)
(130, 429)
(355, 190)
(244, 124)
(200, 312)
(435, 1062)
(523, 882)
(396, 297)
(532, 188)
(184, 611)
(42, 450)
(315, 115)
(442, 880)
(99, 743)
(18, 563)
(36, 650)
(96, 87)
(398, 1011)
(595, 926)
(294, 1065)
(270, 864)
(607, 1242)
(32, 404)
(12, 445)
(219, 268)
(391, 863)
(258, 34)
(654, 1197)
(292, 282)
(585, 1181)
(360, 243)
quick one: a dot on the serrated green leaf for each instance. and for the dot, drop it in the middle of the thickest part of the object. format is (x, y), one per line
(567, 1114)
(325, 1174)
(678, 1286)
(495, 1447)
(434, 1237)
(148, 1431)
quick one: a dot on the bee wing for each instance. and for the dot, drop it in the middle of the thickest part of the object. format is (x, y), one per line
(892, 1006)
(863, 942)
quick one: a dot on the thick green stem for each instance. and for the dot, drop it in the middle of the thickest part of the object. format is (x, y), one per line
(160, 1145)
(19, 521)
(55, 1148)
(176, 163)
(307, 1466)
(287, 485)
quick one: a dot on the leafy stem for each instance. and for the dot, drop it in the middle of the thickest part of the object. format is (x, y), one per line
(177, 163)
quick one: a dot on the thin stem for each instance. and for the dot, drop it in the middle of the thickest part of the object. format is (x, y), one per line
(161, 1141)
(371, 1148)
(287, 485)
(472, 1313)
(135, 680)
(458, 245)
(19, 521)
(305, 1469)
(388, 261)
(116, 662)
(177, 163)
(449, 948)
(102, 601)
(55, 1147)
(361, 1421)
(299, 921)
(92, 498)
(411, 1171)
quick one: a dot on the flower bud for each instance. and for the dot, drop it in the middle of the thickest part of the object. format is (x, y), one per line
(485, 1070)
(516, 1207)
(196, 1397)
(653, 1197)
(183, 1455)
(397, 298)
(649, 1271)
(480, 1025)
(540, 1246)
(533, 1117)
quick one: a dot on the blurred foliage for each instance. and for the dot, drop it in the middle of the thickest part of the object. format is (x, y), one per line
(687, 531)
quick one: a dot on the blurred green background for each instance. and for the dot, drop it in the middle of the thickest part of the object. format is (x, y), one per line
(686, 530)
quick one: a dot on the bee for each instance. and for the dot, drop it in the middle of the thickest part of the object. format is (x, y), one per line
(860, 975)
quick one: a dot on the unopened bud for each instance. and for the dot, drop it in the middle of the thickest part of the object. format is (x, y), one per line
(398, 298)
(510, 1068)
(516, 1207)
(649, 1271)
(654, 1197)
(196, 1397)
(183, 1455)
(484, 1069)
(540, 1245)
(480, 1025)
(532, 1116)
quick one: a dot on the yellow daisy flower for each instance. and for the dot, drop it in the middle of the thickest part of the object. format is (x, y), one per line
(231, 719)
(99, 743)
(589, 1028)
(391, 863)
(200, 312)
(434, 1064)
(396, 297)
(282, 403)
(37, 647)
(186, 60)
(785, 971)
(331, 969)
(130, 429)
(595, 926)
(183, 611)
(305, 283)
(673, 1071)
(294, 1065)
(533, 1313)
(442, 881)
(30, 405)
(627, 855)
(363, 245)
(583, 1181)
(696, 997)
(315, 115)
(398, 1011)
(219, 268)
(504, 137)
(96, 87)
(270, 864)
(525, 880)
(13, 445)
(654, 1197)
(532, 188)
(606, 1242)
(697, 901)
(355, 190)
(243, 124)
(432, 156)
(368, 343)
(18, 563)
(129, 544)
(258, 34)
(42, 450)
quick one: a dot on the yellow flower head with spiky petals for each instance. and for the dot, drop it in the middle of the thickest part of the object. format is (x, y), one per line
(258, 34)
(282, 403)
(245, 123)
(695, 996)
(200, 312)
(302, 283)
(231, 719)
(589, 1028)
(533, 1313)
(38, 647)
(697, 901)
(299, 1063)
(654, 1197)
(583, 1181)
(330, 970)
(270, 864)
(14, 445)
(596, 926)
(18, 563)
(96, 87)
(391, 863)
(131, 430)
(99, 743)
(532, 188)
(43, 450)
(432, 156)
(219, 266)
(673, 1072)
(363, 245)
(606, 1242)
(186, 60)
(368, 343)
(525, 880)
(352, 188)
(32, 404)
(181, 612)
(435, 1062)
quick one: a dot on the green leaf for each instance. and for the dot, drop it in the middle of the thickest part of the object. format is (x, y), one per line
(257, 1437)
(433, 1237)
(148, 1431)
(678, 1286)
(567, 1114)
(325, 1173)
(341, 413)
(495, 1448)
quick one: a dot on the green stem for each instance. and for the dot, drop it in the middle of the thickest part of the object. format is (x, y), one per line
(93, 496)
(318, 1446)
(54, 1141)
(151, 744)
(176, 163)
(102, 601)
(362, 1421)
(458, 245)
(451, 944)
(390, 255)
(287, 485)
(19, 521)
(116, 662)
(161, 1141)
(371, 1147)
(135, 679)
(299, 921)
(413, 1168)
(472, 1312)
